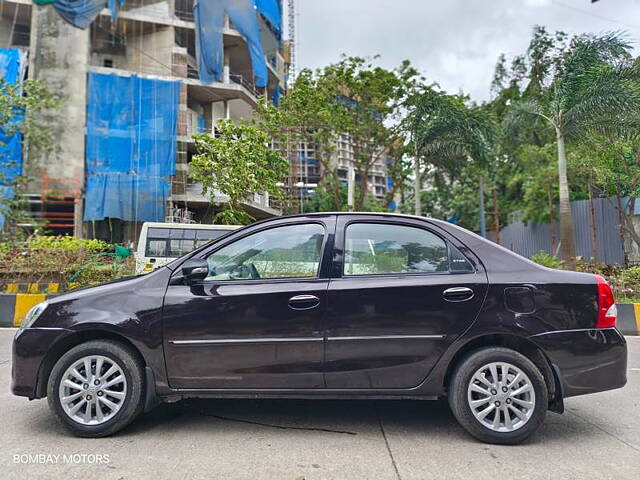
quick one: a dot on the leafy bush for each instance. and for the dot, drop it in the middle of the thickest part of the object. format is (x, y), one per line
(68, 261)
(546, 260)
(69, 244)
(625, 282)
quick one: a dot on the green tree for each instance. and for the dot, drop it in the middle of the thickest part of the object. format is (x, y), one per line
(306, 115)
(236, 162)
(613, 170)
(452, 195)
(352, 97)
(538, 185)
(23, 101)
(368, 101)
(589, 87)
(446, 134)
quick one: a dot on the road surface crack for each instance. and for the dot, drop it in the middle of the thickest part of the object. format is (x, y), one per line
(281, 427)
(386, 442)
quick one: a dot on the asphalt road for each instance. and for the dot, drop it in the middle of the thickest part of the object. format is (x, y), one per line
(598, 437)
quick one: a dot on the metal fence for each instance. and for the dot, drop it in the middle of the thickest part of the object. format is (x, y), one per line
(530, 238)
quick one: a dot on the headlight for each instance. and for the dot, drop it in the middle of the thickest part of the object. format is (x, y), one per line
(33, 314)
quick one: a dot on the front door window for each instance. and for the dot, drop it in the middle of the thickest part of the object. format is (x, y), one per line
(291, 251)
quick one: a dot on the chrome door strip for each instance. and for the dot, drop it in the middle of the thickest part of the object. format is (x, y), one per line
(388, 337)
(226, 341)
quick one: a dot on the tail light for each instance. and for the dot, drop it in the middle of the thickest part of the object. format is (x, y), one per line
(607, 310)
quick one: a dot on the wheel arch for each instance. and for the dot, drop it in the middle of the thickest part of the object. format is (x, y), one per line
(70, 341)
(521, 345)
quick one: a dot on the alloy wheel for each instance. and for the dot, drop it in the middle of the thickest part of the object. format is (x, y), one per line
(501, 397)
(92, 390)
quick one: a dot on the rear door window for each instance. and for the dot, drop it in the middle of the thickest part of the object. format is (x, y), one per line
(383, 249)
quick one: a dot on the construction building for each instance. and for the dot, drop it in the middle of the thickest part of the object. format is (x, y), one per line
(132, 96)
(306, 171)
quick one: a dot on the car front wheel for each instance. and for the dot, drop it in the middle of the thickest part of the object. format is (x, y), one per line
(498, 395)
(96, 388)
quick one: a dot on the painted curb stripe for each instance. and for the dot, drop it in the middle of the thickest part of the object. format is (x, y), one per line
(636, 308)
(32, 287)
(24, 302)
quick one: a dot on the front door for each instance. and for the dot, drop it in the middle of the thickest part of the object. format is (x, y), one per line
(256, 320)
(402, 293)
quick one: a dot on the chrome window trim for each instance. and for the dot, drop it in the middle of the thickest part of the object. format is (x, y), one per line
(388, 337)
(223, 341)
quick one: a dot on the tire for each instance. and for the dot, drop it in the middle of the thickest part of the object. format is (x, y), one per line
(117, 398)
(476, 371)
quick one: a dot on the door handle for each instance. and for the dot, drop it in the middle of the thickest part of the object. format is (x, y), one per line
(458, 294)
(304, 302)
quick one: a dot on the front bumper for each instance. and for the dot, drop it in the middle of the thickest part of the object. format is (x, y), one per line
(30, 347)
(588, 361)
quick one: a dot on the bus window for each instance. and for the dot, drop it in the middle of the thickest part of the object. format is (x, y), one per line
(205, 236)
(156, 248)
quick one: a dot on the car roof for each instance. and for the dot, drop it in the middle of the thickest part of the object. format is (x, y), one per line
(381, 214)
(442, 223)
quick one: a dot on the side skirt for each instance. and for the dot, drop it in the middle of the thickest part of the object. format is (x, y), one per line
(294, 394)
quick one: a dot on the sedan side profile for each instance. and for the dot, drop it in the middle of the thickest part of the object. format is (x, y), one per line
(331, 305)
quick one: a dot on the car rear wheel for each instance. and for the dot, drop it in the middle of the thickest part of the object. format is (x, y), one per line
(96, 388)
(498, 395)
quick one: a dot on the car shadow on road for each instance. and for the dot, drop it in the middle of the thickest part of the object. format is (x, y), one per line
(339, 417)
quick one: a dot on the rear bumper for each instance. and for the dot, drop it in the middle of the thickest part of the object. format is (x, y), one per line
(30, 346)
(588, 361)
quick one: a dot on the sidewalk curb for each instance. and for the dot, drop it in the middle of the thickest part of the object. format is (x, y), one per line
(629, 318)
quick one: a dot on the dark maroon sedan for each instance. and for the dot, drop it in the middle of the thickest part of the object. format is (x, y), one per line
(342, 305)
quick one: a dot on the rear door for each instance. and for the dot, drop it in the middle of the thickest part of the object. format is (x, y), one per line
(403, 292)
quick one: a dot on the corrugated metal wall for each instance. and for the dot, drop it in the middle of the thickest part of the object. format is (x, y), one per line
(528, 239)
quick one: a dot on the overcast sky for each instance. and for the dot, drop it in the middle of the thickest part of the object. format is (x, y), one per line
(453, 42)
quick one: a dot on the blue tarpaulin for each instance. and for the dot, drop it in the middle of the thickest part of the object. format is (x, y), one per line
(131, 146)
(270, 9)
(81, 13)
(13, 63)
(209, 20)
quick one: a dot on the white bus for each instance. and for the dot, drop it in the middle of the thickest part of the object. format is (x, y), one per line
(159, 243)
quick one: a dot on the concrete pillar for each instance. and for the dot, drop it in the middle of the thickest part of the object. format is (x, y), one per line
(226, 69)
(60, 58)
(207, 109)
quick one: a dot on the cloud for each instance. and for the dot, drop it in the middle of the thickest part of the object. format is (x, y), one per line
(453, 42)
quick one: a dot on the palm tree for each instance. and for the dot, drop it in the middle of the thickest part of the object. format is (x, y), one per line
(444, 132)
(594, 86)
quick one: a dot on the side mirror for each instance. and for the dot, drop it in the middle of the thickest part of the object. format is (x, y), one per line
(195, 270)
